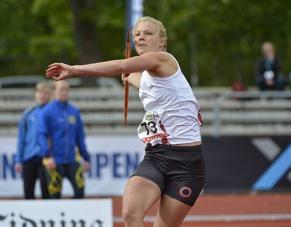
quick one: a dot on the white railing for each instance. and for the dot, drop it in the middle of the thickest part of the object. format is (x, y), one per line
(225, 112)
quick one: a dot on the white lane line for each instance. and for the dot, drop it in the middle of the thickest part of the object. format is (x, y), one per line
(225, 217)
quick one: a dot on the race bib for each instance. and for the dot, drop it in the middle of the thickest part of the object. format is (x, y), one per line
(151, 129)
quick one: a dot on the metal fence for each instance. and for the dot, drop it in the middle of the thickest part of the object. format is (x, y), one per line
(270, 97)
(225, 112)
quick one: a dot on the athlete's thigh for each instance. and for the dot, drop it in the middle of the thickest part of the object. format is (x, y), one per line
(140, 195)
(146, 184)
(171, 212)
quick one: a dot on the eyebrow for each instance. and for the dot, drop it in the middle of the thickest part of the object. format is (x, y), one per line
(147, 30)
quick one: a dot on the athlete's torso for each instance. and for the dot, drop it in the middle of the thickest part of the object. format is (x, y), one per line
(171, 110)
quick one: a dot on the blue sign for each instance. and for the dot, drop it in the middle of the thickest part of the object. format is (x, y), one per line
(275, 172)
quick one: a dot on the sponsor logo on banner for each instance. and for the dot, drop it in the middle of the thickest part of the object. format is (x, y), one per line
(113, 160)
(62, 213)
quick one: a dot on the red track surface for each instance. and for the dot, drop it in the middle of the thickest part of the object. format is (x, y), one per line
(235, 210)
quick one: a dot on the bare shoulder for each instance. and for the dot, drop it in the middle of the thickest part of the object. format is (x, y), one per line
(167, 63)
(160, 55)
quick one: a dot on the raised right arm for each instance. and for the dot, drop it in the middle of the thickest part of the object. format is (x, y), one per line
(157, 63)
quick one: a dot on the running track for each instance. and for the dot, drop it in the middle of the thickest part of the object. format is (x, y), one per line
(225, 210)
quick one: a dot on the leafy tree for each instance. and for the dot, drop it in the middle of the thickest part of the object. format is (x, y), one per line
(216, 42)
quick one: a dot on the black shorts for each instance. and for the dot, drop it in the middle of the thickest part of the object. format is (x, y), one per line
(178, 171)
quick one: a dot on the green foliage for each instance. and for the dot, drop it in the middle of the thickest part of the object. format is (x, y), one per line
(110, 25)
(33, 33)
(216, 40)
(229, 34)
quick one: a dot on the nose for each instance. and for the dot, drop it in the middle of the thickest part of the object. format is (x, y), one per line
(141, 37)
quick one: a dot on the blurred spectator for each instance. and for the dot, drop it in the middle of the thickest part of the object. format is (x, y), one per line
(29, 155)
(61, 123)
(269, 70)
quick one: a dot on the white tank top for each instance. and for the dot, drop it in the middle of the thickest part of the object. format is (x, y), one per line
(172, 111)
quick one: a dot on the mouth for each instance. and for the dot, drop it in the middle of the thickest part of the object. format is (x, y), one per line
(141, 45)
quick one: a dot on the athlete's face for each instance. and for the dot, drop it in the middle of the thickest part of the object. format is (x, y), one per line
(147, 38)
(62, 91)
(42, 96)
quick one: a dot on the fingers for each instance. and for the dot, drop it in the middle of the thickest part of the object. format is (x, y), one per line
(18, 168)
(53, 70)
(56, 71)
(56, 78)
(51, 163)
(125, 75)
(86, 166)
(52, 73)
(124, 78)
(55, 65)
(64, 75)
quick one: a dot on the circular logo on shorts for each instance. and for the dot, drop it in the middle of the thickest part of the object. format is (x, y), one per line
(185, 192)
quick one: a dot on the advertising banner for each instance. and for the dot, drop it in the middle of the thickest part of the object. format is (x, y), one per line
(113, 160)
(232, 164)
(62, 213)
(244, 163)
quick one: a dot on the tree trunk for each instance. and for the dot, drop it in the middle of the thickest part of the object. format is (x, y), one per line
(85, 35)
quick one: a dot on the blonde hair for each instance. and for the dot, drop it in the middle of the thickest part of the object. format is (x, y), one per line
(161, 28)
(42, 85)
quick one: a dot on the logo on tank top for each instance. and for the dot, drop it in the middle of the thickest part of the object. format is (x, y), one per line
(185, 192)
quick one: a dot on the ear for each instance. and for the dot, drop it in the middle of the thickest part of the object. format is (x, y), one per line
(162, 42)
